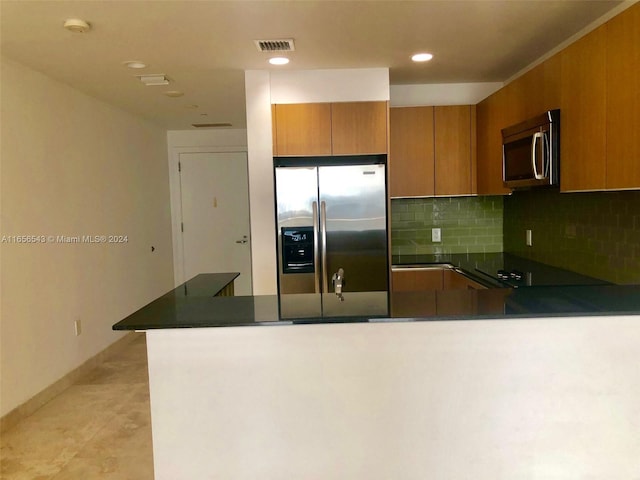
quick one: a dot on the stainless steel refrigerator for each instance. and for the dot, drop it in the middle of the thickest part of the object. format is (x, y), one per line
(332, 224)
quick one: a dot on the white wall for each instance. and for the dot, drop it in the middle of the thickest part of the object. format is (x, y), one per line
(262, 88)
(194, 141)
(441, 94)
(344, 85)
(543, 398)
(72, 165)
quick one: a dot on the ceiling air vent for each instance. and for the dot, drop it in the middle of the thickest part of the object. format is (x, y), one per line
(281, 45)
(211, 125)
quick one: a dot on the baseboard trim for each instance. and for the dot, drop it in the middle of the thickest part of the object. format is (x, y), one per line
(34, 403)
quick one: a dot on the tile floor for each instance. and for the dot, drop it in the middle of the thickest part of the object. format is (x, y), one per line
(99, 428)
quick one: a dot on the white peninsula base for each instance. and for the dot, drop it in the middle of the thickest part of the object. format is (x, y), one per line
(551, 398)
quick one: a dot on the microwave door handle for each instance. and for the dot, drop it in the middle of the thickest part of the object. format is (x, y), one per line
(323, 233)
(316, 252)
(534, 141)
(546, 154)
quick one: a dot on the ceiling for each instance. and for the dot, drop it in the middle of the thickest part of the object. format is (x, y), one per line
(204, 46)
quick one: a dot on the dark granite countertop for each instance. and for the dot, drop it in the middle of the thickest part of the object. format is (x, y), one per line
(193, 305)
(483, 268)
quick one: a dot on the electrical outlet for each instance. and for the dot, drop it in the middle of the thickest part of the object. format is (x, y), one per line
(529, 239)
(436, 235)
(78, 326)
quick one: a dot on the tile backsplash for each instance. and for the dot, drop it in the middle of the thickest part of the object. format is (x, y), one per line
(468, 225)
(596, 233)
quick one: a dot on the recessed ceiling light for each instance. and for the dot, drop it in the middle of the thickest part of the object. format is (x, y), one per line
(174, 93)
(134, 64)
(422, 57)
(76, 25)
(278, 61)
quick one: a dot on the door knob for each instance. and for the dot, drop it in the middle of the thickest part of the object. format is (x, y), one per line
(244, 239)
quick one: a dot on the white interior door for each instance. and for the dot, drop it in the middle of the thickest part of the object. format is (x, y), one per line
(215, 215)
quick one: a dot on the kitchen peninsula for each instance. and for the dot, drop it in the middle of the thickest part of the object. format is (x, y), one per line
(533, 381)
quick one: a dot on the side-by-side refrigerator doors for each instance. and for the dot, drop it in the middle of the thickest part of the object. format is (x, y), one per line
(353, 227)
(331, 218)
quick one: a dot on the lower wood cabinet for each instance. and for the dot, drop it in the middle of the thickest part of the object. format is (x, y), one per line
(413, 279)
(432, 291)
(417, 279)
(453, 280)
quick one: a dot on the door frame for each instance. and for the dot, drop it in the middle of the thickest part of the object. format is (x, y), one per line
(176, 200)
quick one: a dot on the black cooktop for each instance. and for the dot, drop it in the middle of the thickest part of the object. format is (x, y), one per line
(516, 272)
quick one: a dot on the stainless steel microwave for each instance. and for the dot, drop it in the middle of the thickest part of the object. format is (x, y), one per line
(530, 152)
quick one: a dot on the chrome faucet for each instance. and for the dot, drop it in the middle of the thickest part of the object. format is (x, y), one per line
(338, 282)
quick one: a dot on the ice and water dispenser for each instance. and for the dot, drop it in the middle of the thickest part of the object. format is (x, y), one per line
(297, 250)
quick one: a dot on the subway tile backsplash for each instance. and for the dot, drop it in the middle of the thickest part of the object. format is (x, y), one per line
(596, 233)
(468, 225)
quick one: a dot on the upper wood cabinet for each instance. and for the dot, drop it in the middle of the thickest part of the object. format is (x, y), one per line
(455, 149)
(582, 116)
(623, 100)
(359, 127)
(349, 128)
(302, 129)
(600, 107)
(596, 84)
(533, 93)
(490, 121)
(411, 149)
(432, 151)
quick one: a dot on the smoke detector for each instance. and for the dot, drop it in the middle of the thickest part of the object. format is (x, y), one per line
(154, 79)
(76, 25)
(279, 45)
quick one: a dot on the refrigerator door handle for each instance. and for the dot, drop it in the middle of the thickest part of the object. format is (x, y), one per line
(316, 252)
(323, 231)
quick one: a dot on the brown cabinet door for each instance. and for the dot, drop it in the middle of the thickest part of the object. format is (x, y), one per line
(359, 128)
(623, 100)
(551, 83)
(455, 281)
(489, 145)
(303, 129)
(274, 142)
(415, 280)
(537, 91)
(454, 171)
(411, 165)
(583, 110)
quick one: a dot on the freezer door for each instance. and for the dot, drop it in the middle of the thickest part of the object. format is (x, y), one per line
(353, 225)
(297, 217)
